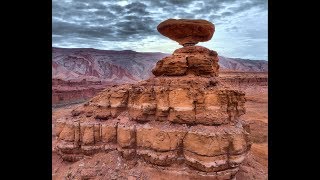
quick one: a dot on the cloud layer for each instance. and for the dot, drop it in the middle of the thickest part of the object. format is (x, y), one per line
(241, 26)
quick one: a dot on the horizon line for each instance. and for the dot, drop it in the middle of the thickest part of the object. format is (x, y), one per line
(148, 52)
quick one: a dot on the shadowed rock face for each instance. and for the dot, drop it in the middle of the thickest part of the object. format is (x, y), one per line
(186, 31)
(182, 118)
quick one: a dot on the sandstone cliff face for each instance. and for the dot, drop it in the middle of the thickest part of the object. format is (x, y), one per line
(182, 118)
(66, 92)
(196, 60)
(244, 78)
(191, 120)
(187, 100)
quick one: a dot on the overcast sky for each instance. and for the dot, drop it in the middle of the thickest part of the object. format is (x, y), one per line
(241, 25)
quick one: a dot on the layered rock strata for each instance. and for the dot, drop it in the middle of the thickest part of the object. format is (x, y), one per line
(196, 60)
(183, 117)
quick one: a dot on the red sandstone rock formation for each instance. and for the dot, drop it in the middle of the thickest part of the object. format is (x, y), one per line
(196, 60)
(187, 32)
(66, 92)
(182, 118)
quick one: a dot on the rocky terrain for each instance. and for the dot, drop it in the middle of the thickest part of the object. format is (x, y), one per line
(108, 66)
(80, 73)
(76, 91)
(255, 166)
(184, 122)
(242, 65)
(119, 67)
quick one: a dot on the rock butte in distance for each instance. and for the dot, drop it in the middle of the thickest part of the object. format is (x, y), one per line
(183, 119)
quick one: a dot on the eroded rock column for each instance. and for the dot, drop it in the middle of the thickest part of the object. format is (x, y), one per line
(181, 118)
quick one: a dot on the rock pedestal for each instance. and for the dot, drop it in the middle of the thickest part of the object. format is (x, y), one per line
(181, 118)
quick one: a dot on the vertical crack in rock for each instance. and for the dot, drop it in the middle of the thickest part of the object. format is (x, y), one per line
(195, 110)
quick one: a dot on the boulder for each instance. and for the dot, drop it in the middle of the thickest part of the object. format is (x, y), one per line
(187, 31)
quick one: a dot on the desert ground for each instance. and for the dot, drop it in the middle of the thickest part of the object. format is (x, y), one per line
(110, 165)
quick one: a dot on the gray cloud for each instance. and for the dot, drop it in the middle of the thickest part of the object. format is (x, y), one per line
(136, 8)
(170, 3)
(90, 22)
(116, 9)
(248, 5)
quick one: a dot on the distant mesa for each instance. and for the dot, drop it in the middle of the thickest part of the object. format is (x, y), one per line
(187, 32)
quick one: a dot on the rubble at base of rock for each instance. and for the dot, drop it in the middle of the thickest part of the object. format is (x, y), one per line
(182, 117)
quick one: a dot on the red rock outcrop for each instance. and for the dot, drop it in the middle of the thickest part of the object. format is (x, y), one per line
(182, 118)
(187, 32)
(196, 60)
(68, 92)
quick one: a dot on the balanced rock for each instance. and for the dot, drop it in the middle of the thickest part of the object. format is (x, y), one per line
(186, 31)
(184, 118)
